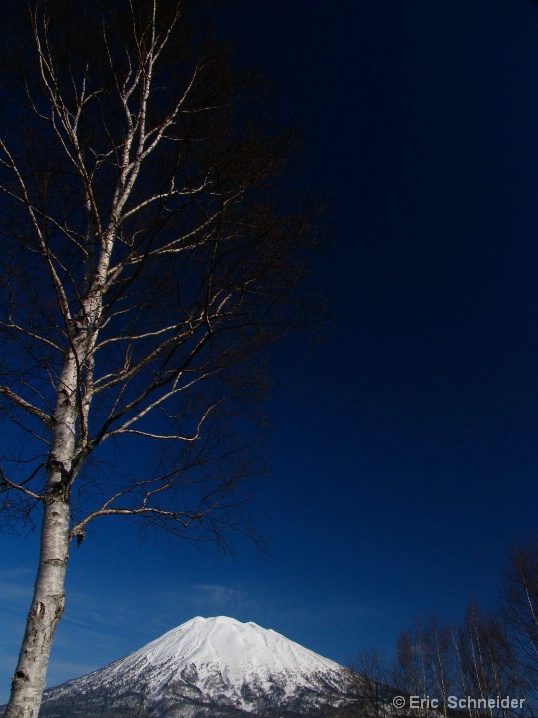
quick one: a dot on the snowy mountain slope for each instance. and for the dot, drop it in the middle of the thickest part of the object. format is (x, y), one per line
(207, 666)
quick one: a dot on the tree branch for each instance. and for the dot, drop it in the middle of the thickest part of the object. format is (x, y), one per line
(26, 406)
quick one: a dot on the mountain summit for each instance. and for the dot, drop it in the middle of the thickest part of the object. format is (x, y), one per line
(207, 666)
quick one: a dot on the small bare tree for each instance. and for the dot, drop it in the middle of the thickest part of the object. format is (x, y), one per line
(519, 614)
(423, 663)
(412, 669)
(369, 678)
(147, 257)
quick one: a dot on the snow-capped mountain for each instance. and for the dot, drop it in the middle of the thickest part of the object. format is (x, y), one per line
(207, 666)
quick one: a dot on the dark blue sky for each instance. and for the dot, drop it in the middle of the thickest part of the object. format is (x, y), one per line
(404, 448)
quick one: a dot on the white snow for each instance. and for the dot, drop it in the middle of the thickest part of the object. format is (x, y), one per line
(217, 656)
(244, 646)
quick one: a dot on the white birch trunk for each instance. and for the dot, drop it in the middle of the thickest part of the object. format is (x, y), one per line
(49, 591)
(47, 607)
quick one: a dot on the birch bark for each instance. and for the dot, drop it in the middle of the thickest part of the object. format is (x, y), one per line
(49, 591)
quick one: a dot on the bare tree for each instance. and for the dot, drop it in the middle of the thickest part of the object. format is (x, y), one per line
(147, 257)
(369, 677)
(366, 688)
(412, 669)
(519, 614)
(423, 665)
